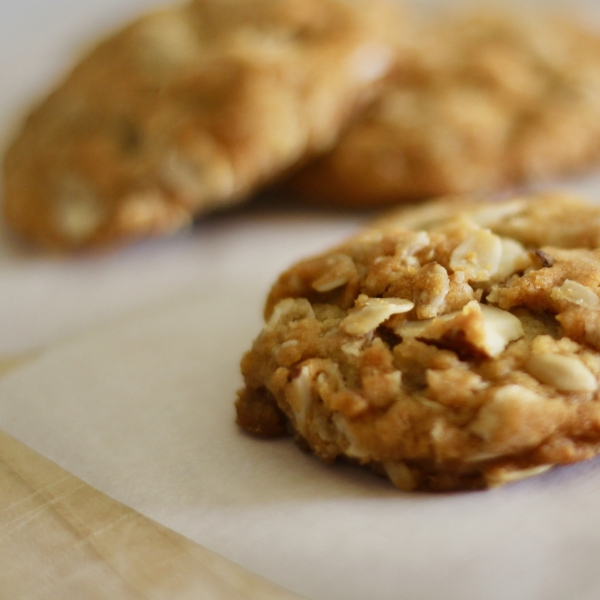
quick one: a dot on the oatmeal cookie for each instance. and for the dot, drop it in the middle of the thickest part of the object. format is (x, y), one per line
(463, 355)
(485, 101)
(189, 109)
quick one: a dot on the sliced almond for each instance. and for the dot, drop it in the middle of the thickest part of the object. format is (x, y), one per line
(289, 343)
(478, 255)
(373, 313)
(514, 258)
(327, 284)
(565, 373)
(290, 308)
(413, 329)
(491, 215)
(352, 348)
(512, 420)
(576, 293)
(500, 328)
(300, 396)
(341, 268)
(501, 476)
(399, 475)
(406, 249)
(432, 286)
(485, 329)
(355, 444)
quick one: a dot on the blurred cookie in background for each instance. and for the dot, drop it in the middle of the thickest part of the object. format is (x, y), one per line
(487, 100)
(190, 109)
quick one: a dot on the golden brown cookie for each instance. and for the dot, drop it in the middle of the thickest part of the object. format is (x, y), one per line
(460, 356)
(485, 101)
(189, 109)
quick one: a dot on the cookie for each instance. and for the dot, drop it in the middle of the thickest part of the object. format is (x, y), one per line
(191, 109)
(485, 101)
(458, 356)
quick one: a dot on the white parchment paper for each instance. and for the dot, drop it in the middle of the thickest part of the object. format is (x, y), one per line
(143, 411)
(134, 393)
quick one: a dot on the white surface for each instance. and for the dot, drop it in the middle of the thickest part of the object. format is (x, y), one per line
(143, 411)
(45, 299)
(142, 408)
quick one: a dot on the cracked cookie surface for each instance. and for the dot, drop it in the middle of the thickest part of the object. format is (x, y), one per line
(461, 354)
(191, 109)
(485, 101)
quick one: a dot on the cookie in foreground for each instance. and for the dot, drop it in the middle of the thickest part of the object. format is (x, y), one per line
(190, 109)
(461, 354)
(486, 100)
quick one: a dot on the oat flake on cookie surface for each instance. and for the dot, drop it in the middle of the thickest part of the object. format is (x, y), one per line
(189, 109)
(452, 346)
